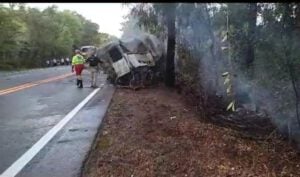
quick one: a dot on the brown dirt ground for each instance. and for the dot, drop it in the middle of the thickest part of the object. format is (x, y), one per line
(152, 133)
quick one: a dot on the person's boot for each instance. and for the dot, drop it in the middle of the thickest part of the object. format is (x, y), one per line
(77, 82)
(80, 84)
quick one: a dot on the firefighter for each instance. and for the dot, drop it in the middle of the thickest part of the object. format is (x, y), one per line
(78, 64)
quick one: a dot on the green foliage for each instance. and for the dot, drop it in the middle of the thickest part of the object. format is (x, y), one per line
(231, 106)
(29, 36)
(147, 18)
(229, 91)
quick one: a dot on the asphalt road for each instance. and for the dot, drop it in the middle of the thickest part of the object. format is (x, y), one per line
(29, 111)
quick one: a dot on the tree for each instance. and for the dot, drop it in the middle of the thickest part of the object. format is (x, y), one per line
(251, 39)
(168, 11)
(29, 36)
(288, 29)
(89, 33)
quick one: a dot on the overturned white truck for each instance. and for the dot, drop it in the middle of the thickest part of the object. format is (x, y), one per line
(134, 62)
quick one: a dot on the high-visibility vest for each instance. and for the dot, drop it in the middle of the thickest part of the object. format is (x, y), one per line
(77, 59)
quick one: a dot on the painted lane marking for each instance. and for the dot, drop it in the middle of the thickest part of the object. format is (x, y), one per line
(28, 85)
(12, 88)
(20, 163)
(37, 82)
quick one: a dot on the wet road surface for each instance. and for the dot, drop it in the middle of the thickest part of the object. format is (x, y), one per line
(28, 114)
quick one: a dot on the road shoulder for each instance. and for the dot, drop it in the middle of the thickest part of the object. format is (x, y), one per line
(65, 154)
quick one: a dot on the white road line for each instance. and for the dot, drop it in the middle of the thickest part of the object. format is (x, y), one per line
(19, 164)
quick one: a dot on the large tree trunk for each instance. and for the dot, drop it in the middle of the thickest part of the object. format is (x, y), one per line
(288, 28)
(297, 18)
(251, 37)
(214, 51)
(170, 66)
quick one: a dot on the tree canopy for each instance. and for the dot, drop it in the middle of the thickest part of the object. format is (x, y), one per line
(29, 36)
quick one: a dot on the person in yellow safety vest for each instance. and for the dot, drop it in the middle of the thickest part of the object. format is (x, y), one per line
(78, 64)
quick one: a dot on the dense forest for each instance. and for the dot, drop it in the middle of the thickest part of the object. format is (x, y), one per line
(242, 56)
(29, 36)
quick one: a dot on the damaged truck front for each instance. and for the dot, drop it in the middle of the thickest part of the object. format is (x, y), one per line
(135, 62)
